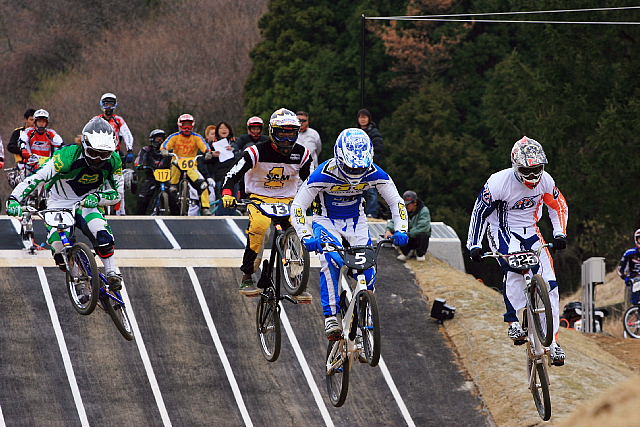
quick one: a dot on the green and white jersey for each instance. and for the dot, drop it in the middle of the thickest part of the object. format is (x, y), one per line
(69, 179)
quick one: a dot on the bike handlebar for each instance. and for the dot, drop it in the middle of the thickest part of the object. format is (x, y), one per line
(497, 254)
(332, 247)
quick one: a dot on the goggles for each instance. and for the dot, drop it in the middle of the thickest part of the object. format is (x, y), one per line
(286, 134)
(530, 172)
(94, 154)
(354, 171)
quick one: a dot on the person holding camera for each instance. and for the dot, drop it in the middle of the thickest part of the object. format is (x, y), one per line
(419, 228)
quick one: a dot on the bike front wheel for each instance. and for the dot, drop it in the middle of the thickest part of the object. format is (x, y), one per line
(631, 321)
(337, 374)
(268, 325)
(83, 280)
(118, 314)
(369, 325)
(541, 310)
(296, 266)
(539, 384)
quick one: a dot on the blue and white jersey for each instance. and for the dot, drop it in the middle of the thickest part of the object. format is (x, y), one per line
(339, 199)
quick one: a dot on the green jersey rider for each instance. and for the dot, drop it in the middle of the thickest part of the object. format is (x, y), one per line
(89, 174)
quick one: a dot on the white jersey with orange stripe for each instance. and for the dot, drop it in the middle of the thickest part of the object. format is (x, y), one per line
(507, 204)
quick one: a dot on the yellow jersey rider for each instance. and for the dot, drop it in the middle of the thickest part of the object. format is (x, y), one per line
(187, 143)
(273, 171)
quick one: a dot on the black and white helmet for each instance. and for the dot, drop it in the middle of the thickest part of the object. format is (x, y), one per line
(98, 141)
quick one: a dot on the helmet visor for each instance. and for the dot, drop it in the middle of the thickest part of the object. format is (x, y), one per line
(108, 103)
(94, 154)
(355, 171)
(531, 172)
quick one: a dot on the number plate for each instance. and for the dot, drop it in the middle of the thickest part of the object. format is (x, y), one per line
(59, 219)
(635, 286)
(186, 163)
(360, 258)
(275, 209)
(162, 175)
(522, 260)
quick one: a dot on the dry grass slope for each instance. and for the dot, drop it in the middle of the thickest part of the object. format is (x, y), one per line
(498, 368)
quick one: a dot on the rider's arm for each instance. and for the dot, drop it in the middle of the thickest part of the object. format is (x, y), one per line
(125, 132)
(202, 146)
(236, 173)
(623, 267)
(43, 174)
(305, 170)
(558, 209)
(114, 192)
(305, 196)
(56, 142)
(389, 193)
(485, 204)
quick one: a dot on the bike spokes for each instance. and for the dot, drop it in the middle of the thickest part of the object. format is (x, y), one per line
(82, 279)
(369, 326)
(541, 310)
(268, 325)
(632, 322)
(539, 383)
(337, 372)
(117, 310)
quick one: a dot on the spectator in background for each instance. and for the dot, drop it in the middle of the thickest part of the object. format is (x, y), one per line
(365, 122)
(254, 136)
(77, 140)
(223, 159)
(309, 138)
(14, 142)
(210, 134)
(419, 228)
(1, 153)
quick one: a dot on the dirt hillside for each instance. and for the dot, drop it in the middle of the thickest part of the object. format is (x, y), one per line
(498, 367)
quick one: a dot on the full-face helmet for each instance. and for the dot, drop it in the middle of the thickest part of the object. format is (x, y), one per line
(283, 130)
(528, 160)
(98, 142)
(354, 154)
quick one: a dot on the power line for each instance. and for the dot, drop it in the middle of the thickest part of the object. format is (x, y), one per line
(597, 9)
(507, 21)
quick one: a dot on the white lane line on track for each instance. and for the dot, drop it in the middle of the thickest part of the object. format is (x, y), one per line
(167, 233)
(294, 343)
(63, 347)
(2, 424)
(220, 349)
(236, 230)
(305, 368)
(145, 358)
(387, 375)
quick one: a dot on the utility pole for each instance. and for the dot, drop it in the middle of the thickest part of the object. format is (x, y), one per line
(363, 21)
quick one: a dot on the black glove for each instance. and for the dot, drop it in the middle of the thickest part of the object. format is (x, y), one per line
(560, 242)
(476, 254)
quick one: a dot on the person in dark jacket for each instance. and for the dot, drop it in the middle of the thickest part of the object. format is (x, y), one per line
(14, 142)
(149, 159)
(366, 123)
(419, 228)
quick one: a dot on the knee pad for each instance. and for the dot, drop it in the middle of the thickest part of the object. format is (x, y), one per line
(104, 249)
(200, 185)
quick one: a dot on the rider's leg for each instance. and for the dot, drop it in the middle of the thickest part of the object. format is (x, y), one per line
(95, 227)
(53, 239)
(202, 187)
(174, 180)
(357, 234)
(330, 264)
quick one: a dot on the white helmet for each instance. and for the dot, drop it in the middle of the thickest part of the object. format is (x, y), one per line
(108, 101)
(41, 114)
(283, 130)
(528, 160)
(98, 142)
(354, 154)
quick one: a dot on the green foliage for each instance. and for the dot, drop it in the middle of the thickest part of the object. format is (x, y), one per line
(309, 60)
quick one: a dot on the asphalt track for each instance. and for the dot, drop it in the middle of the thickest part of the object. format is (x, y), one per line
(195, 367)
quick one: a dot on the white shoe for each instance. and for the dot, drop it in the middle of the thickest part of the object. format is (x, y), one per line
(557, 354)
(420, 258)
(517, 334)
(401, 257)
(332, 328)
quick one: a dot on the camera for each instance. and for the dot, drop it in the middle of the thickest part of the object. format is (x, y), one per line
(441, 311)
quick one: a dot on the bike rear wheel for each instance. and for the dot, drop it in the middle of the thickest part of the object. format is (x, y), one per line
(337, 372)
(268, 325)
(119, 315)
(296, 268)
(83, 280)
(541, 310)
(183, 198)
(369, 325)
(539, 384)
(631, 321)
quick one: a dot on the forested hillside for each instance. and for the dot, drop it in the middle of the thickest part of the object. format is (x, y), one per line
(454, 97)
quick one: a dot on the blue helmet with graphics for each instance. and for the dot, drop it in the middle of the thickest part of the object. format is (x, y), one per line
(354, 154)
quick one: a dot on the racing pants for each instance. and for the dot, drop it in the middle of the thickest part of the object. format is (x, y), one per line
(196, 179)
(95, 227)
(258, 227)
(356, 232)
(521, 239)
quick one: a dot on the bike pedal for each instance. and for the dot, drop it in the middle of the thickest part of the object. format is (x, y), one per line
(304, 298)
(520, 342)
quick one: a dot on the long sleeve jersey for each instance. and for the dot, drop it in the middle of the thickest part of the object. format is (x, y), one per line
(507, 204)
(630, 263)
(185, 146)
(42, 144)
(69, 179)
(339, 199)
(269, 173)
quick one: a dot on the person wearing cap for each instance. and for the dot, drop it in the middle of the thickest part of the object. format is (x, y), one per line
(366, 123)
(419, 228)
(252, 137)
(13, 146)
(309, 138)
